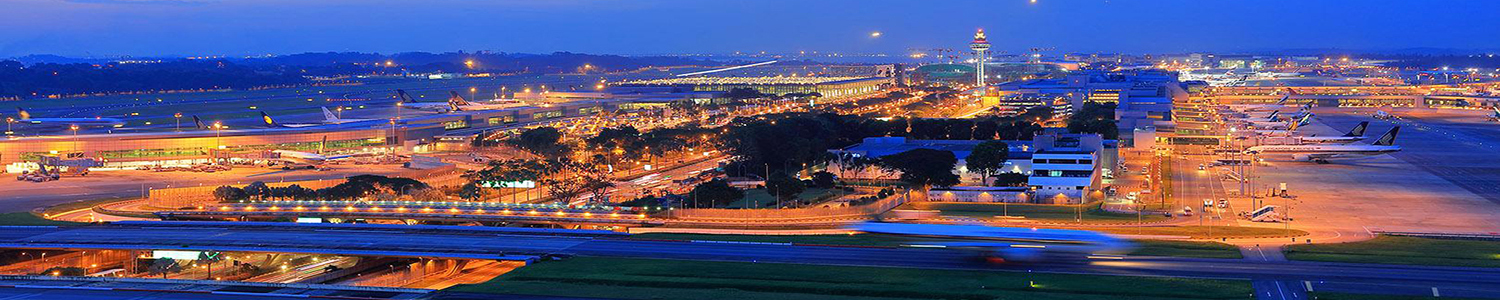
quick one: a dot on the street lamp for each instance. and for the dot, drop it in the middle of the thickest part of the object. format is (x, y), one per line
(178, 117)
(74, 127)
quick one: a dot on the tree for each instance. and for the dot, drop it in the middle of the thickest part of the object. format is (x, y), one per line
(1011, 179)
(715, 193)
(988, 157)
(784, 186)
(823, 179)
(258, 189)
(1095, 117)
(542, 141)
(923, 167)
(163, 266)
(229, 193)
(471, 191)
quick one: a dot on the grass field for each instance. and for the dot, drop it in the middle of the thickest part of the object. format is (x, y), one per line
(759, 198)
(672, 279)
(1199, 249)
(1202, 232)
(1029, 211)
(1403, 250)
(28, 219)
(75, 205)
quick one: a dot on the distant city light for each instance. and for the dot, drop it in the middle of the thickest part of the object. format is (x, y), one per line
(875, 34)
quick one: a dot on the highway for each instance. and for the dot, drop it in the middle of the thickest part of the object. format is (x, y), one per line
(427, 242)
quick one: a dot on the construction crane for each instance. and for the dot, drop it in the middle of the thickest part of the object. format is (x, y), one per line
(940, 53)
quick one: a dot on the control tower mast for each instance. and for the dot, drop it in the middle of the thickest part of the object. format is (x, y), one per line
(981, 47)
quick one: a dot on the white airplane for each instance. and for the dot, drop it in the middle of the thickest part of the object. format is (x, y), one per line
(407, 102)
(455, 103)
(25, 117)
(328, 119)
(1322, 153)
(1381, 115)
(1005, 243)
(1354, 135)
(1262, 107)
(464, 104)
(299, 160)
(1279, 125)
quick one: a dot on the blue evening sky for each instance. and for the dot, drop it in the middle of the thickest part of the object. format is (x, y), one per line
(245, 27)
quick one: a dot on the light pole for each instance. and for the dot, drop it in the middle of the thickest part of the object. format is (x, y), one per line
(75, 136)
(8, 121)
(178, 117)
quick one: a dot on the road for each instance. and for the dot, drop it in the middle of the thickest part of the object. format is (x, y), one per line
(464, 244)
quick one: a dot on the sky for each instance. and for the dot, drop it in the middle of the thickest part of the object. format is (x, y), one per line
(103, 28)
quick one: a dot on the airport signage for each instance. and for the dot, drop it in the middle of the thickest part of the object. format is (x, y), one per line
(522, 184)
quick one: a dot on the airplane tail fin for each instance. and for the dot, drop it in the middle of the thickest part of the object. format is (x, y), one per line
(1283, 99)
(22, 111)
(456, 99)
(199, 123)
(267, 119)
(329, 116)
(404, 98)
(1359, 130)
(1389, 138)
(1293, 127)
(1273, 116)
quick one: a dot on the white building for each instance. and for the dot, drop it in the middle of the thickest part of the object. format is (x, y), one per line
(1066, 168)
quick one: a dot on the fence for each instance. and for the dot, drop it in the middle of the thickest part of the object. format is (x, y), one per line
(198, 195)
(721, 214)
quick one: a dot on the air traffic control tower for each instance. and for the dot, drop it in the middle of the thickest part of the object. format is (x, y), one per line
(981, 48)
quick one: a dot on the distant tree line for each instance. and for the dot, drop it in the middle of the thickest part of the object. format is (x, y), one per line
(353, 188)
(18, 80)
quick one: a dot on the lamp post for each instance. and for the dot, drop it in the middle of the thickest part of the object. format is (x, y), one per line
(74, 128)
(8, 121)
(178, 117)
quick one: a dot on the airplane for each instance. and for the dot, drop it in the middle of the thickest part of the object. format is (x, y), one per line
(1322, 153)
(303, 160)
(1381, 115)
(1262, 107)
(464, 104)
(328, 119)
(25, 117)
(407, 102)
(1277, 125)
(1495, 114)
(1003, 243)
(1354, 135)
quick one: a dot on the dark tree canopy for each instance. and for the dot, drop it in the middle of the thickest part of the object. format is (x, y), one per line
(714, 193)
(988, 157)
(543, 141)
(1095, 117)
(923, 167)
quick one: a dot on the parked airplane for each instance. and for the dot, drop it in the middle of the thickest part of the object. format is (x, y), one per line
(303, 160)
(25, 117)
(1280, 103)
(407, 102)
(1495, 114)
(1322, 153)
(1354, 135)
(1004, 243)
(328, 119)
(1278, 125)
(455, 103)
(1381, 115)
